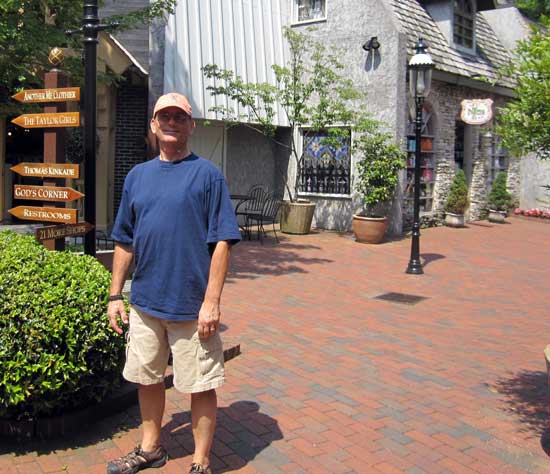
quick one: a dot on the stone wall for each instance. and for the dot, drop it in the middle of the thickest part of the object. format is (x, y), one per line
(445, 102)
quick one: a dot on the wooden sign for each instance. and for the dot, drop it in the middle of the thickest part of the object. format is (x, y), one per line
(47, 170)
(476, 111)
(62, 94)
(54, 120)
(62, 231)
(47, 214)
(45, 193)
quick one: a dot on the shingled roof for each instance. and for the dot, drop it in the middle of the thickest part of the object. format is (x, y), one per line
(491, 54)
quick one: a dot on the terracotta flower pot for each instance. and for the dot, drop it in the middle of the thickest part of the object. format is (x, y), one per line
(369, 230)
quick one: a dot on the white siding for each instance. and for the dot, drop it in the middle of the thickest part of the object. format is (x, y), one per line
(242, 35)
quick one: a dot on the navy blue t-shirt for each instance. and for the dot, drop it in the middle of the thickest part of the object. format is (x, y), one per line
(170, 212)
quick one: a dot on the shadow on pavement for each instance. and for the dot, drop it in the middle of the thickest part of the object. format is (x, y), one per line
(528, 399)
(251, 260)
(242, 432)
(430, 257)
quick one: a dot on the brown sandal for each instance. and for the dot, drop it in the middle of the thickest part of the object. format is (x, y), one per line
(137, 460)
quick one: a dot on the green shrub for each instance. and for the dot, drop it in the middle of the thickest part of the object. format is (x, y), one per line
(56, 349)
(457, 200)
(378, 166)
(499, 198)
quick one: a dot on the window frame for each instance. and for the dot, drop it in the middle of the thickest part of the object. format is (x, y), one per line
(350, 168)
(294, 14)
(464, 17)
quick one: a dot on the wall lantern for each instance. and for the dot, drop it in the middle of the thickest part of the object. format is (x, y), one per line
(373, 44)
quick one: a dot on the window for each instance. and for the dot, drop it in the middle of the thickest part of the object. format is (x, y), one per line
(325, 168)
(309, 10)
(463, 26)
(498, 159)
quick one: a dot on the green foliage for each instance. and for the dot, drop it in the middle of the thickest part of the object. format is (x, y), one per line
(310, 88)
(524, 123)
(457, 200)
(378, 166)
(30, 28)
(56, 349)
(534, 9)
(499, 198)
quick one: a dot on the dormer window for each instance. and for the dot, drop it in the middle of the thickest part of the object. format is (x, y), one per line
(463, 24)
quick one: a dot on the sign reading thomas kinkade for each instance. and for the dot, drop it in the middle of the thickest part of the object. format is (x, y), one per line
(477, 111)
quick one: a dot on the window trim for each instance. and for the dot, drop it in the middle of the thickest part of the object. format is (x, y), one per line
(294, 15)
(463, 15)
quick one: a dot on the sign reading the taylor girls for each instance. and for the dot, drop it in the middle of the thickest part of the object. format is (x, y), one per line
(47, 170)
(53, 120)
(477, 111)
(58, 94)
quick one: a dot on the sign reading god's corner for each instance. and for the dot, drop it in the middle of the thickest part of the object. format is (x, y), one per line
(47, 170)
(53, 120)
(477, 111)
(58, 94)
(48, 214)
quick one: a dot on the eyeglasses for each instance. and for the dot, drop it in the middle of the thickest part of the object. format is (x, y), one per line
(165, 117)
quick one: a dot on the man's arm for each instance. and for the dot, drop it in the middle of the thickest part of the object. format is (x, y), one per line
(122, 258)
(209, 314)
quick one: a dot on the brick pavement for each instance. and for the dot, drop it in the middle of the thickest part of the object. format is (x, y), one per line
(332, 380)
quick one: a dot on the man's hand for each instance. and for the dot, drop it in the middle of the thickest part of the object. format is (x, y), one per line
(114, 310)
(209, 319)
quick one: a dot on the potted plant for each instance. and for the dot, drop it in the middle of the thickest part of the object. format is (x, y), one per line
(457, 201)
(376, 180)
(499, 200)
(313, 94)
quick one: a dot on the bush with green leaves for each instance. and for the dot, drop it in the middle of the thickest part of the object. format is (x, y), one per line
(57, 352)
(457, 200)
(499, 198)
(380, 160)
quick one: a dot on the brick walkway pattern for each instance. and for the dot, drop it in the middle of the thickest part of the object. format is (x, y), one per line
(334, 380)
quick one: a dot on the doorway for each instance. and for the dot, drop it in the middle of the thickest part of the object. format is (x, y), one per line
(463, 149)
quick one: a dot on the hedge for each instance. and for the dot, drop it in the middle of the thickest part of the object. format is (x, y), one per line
(57, 352)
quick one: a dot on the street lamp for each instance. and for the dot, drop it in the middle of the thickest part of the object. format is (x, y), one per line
(420, 78)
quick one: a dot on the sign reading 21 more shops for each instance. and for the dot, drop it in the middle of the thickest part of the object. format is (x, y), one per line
(476, 111)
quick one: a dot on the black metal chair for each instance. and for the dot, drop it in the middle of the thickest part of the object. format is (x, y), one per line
(253, 205)
(268, 216)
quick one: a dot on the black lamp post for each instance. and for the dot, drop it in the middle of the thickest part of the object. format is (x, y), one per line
(420, 78)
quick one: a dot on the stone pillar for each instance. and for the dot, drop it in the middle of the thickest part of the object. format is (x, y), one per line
(478, 186)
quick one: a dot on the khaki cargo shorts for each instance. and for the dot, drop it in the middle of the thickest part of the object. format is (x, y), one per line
(197, 364)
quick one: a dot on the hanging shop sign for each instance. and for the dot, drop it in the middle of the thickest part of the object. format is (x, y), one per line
(477, 111)
(45, 193)
(55, 94)
(47, 170)
(62, 231)
(46, 214)
(53, 120)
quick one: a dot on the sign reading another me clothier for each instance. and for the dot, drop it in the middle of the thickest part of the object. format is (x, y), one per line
(476, 111)
(57, 94)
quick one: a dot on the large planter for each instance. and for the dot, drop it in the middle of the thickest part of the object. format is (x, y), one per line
(497, 216)
(296, 217)
(369, 230)
(454, 220)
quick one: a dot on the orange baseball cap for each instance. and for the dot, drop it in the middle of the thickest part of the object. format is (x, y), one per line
(173, 99)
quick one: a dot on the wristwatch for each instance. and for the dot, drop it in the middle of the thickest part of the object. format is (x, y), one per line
(115, 298)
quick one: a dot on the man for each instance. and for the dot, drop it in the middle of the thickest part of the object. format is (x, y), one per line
(177, 224)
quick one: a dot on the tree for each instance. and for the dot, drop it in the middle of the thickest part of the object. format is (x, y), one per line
(30, 28)
(524, 123)
(534, 9)
(310, 88)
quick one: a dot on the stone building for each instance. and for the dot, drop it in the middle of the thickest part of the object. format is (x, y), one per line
(467, 39)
